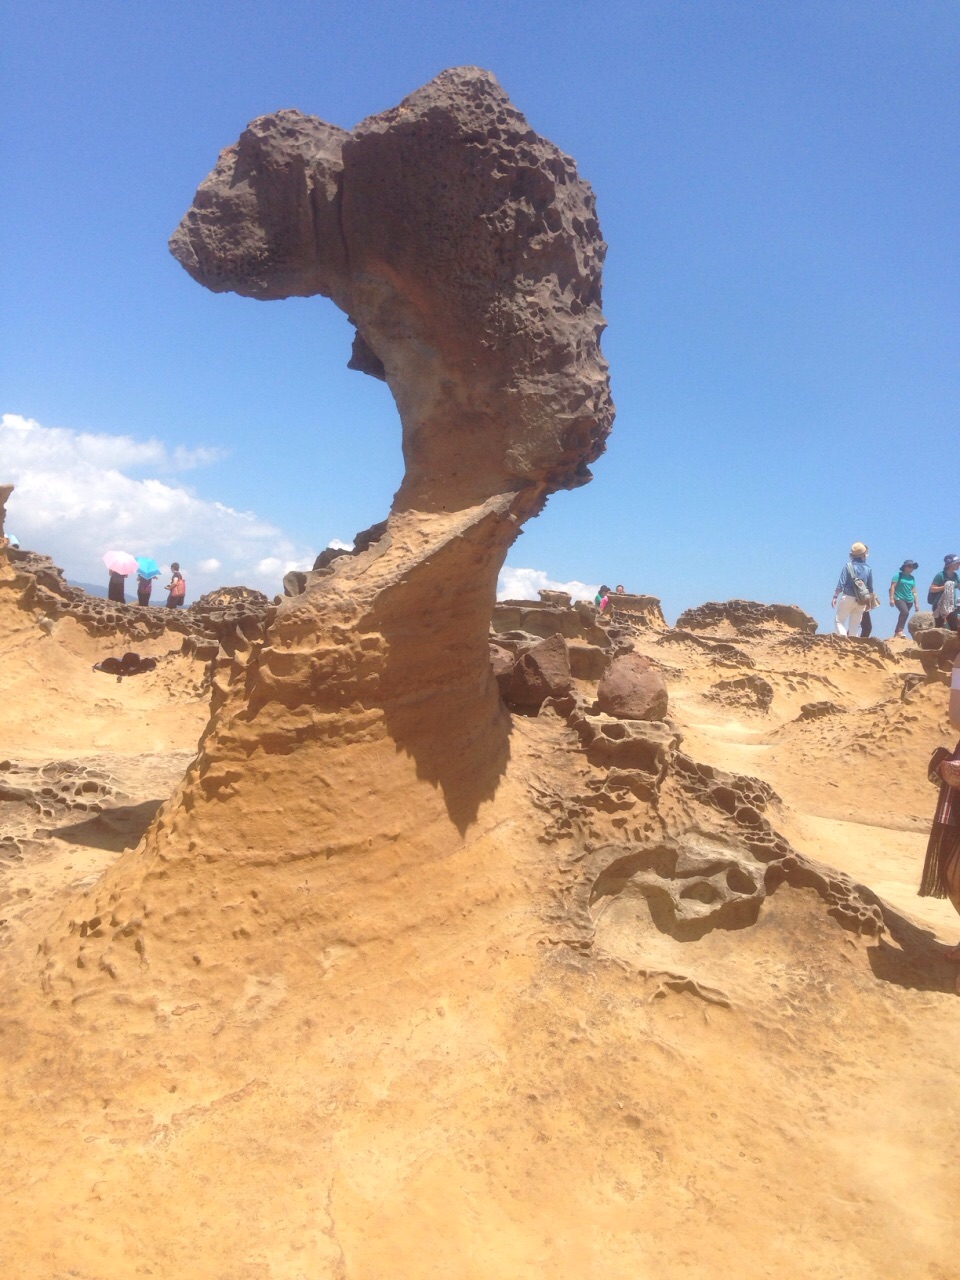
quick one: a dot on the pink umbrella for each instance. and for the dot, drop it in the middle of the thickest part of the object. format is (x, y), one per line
(120, 562)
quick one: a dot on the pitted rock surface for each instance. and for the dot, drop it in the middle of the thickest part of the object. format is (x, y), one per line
(722, 652)
(467, 253)
(938, 648)
(745, 616)
(615, 744)
(743, 691)
(212, 622)
(636, 610)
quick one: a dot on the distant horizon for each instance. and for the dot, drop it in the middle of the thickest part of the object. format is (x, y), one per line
(525, 580)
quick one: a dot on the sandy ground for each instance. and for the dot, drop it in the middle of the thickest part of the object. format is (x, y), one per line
(462, 1096)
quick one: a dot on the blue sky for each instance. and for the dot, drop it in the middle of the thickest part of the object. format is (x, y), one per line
(777, 183)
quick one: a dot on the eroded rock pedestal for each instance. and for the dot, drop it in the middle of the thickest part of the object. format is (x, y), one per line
(365, 729)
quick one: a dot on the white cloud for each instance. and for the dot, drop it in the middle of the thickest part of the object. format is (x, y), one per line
(524, 584)
(75, 496)
(186, 459)
(123, 453)
(274, 568)
(336, 545)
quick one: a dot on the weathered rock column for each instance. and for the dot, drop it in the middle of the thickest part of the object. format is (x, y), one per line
(466, 251)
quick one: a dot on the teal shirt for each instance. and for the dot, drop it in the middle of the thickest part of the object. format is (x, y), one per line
(904, 585)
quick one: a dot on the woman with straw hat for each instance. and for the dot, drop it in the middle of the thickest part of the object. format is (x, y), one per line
(854, 589)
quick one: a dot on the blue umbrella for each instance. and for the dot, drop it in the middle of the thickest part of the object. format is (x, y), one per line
(147, 568)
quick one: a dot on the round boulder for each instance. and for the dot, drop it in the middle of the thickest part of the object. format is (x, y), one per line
(633, 689)
(922, 621)
(543, 671)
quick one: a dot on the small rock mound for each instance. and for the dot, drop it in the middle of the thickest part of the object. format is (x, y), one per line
(746, 617)
(633, 689)
(228, 597)
(743, 691)
(817, 710)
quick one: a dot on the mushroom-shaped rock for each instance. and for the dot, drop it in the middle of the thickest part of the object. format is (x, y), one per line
(467, 253)
(633, 689)
(361, 730)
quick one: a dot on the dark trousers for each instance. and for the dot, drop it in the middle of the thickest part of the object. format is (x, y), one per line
(903, 609)
(866, 625)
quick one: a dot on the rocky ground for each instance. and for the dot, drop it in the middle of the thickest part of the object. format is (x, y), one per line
(630, 1024)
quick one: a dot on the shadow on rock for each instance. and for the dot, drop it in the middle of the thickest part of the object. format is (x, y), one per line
(113, 829)
(914, 959)
(441, 701)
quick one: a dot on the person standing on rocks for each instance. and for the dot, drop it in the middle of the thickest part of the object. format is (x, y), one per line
(115, 591)
(176, 588)
(144, 587)
(942, 596)
(903, 594)
(602, 599)
(941, 868)
(854, 589)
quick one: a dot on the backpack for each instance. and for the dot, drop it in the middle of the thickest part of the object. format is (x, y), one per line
(860, 589)
(178, 587)
(947, 601)
(131, 664)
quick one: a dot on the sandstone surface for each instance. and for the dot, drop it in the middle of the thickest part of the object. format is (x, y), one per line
(380, 979)
(550, 1047)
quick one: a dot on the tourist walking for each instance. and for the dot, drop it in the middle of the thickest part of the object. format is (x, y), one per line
(942, 596)
(903, 594)
(119, 566)
(147, 570)
(854, 589)
(176, 588)
(941, 868)
(115, 591)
